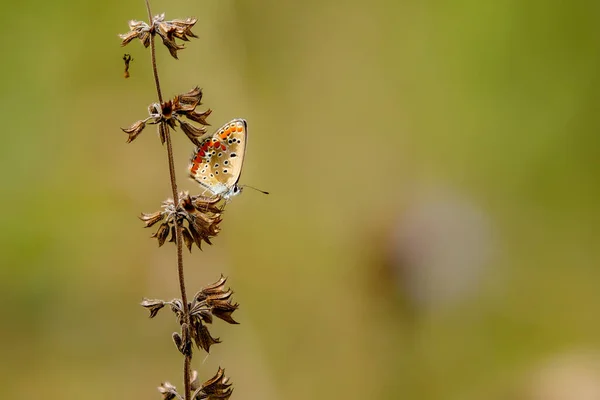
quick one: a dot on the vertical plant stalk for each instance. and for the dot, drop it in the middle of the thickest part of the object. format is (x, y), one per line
(178, 228)
(153, 53)
(189, 220)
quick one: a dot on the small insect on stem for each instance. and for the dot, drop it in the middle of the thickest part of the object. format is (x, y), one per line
(127, 58)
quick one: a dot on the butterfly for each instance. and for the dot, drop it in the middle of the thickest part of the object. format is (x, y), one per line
(217, 163)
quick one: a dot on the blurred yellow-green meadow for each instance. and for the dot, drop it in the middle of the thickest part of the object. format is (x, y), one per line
(433, 227)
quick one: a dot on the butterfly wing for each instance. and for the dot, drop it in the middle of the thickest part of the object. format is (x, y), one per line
(217, 163)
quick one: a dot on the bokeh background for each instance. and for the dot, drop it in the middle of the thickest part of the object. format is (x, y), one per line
(433, 225)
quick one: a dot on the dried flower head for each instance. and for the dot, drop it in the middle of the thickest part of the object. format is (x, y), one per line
(137, 29)
(167, 30)
(172, 113)
(154, 306)
(177, 28)
(218, 387)
(199, 217)
(212, 301)
(216, 300)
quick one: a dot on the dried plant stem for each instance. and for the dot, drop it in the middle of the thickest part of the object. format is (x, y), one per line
(153, 52)
(179, 243)
(178, 234)
(185, 219)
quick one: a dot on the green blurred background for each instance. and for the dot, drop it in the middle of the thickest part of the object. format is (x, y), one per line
(432, 231)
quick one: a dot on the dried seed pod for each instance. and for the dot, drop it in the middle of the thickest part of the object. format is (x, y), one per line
(173, 238)
(163, 131)
(193, 133)
(202, 336)
(183, 342)
(218, 387)
(137, 29)
(194, 96)
(162, 233)
(171, 113)
(216, 299)
(167, 30)
(187, 239)
(199, 218)
(134, 130)
(168, 391)
(177, 340)
(154, 306)
(177, 308)
(151, 219)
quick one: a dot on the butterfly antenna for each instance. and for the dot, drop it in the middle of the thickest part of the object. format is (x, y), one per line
(258, 190)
